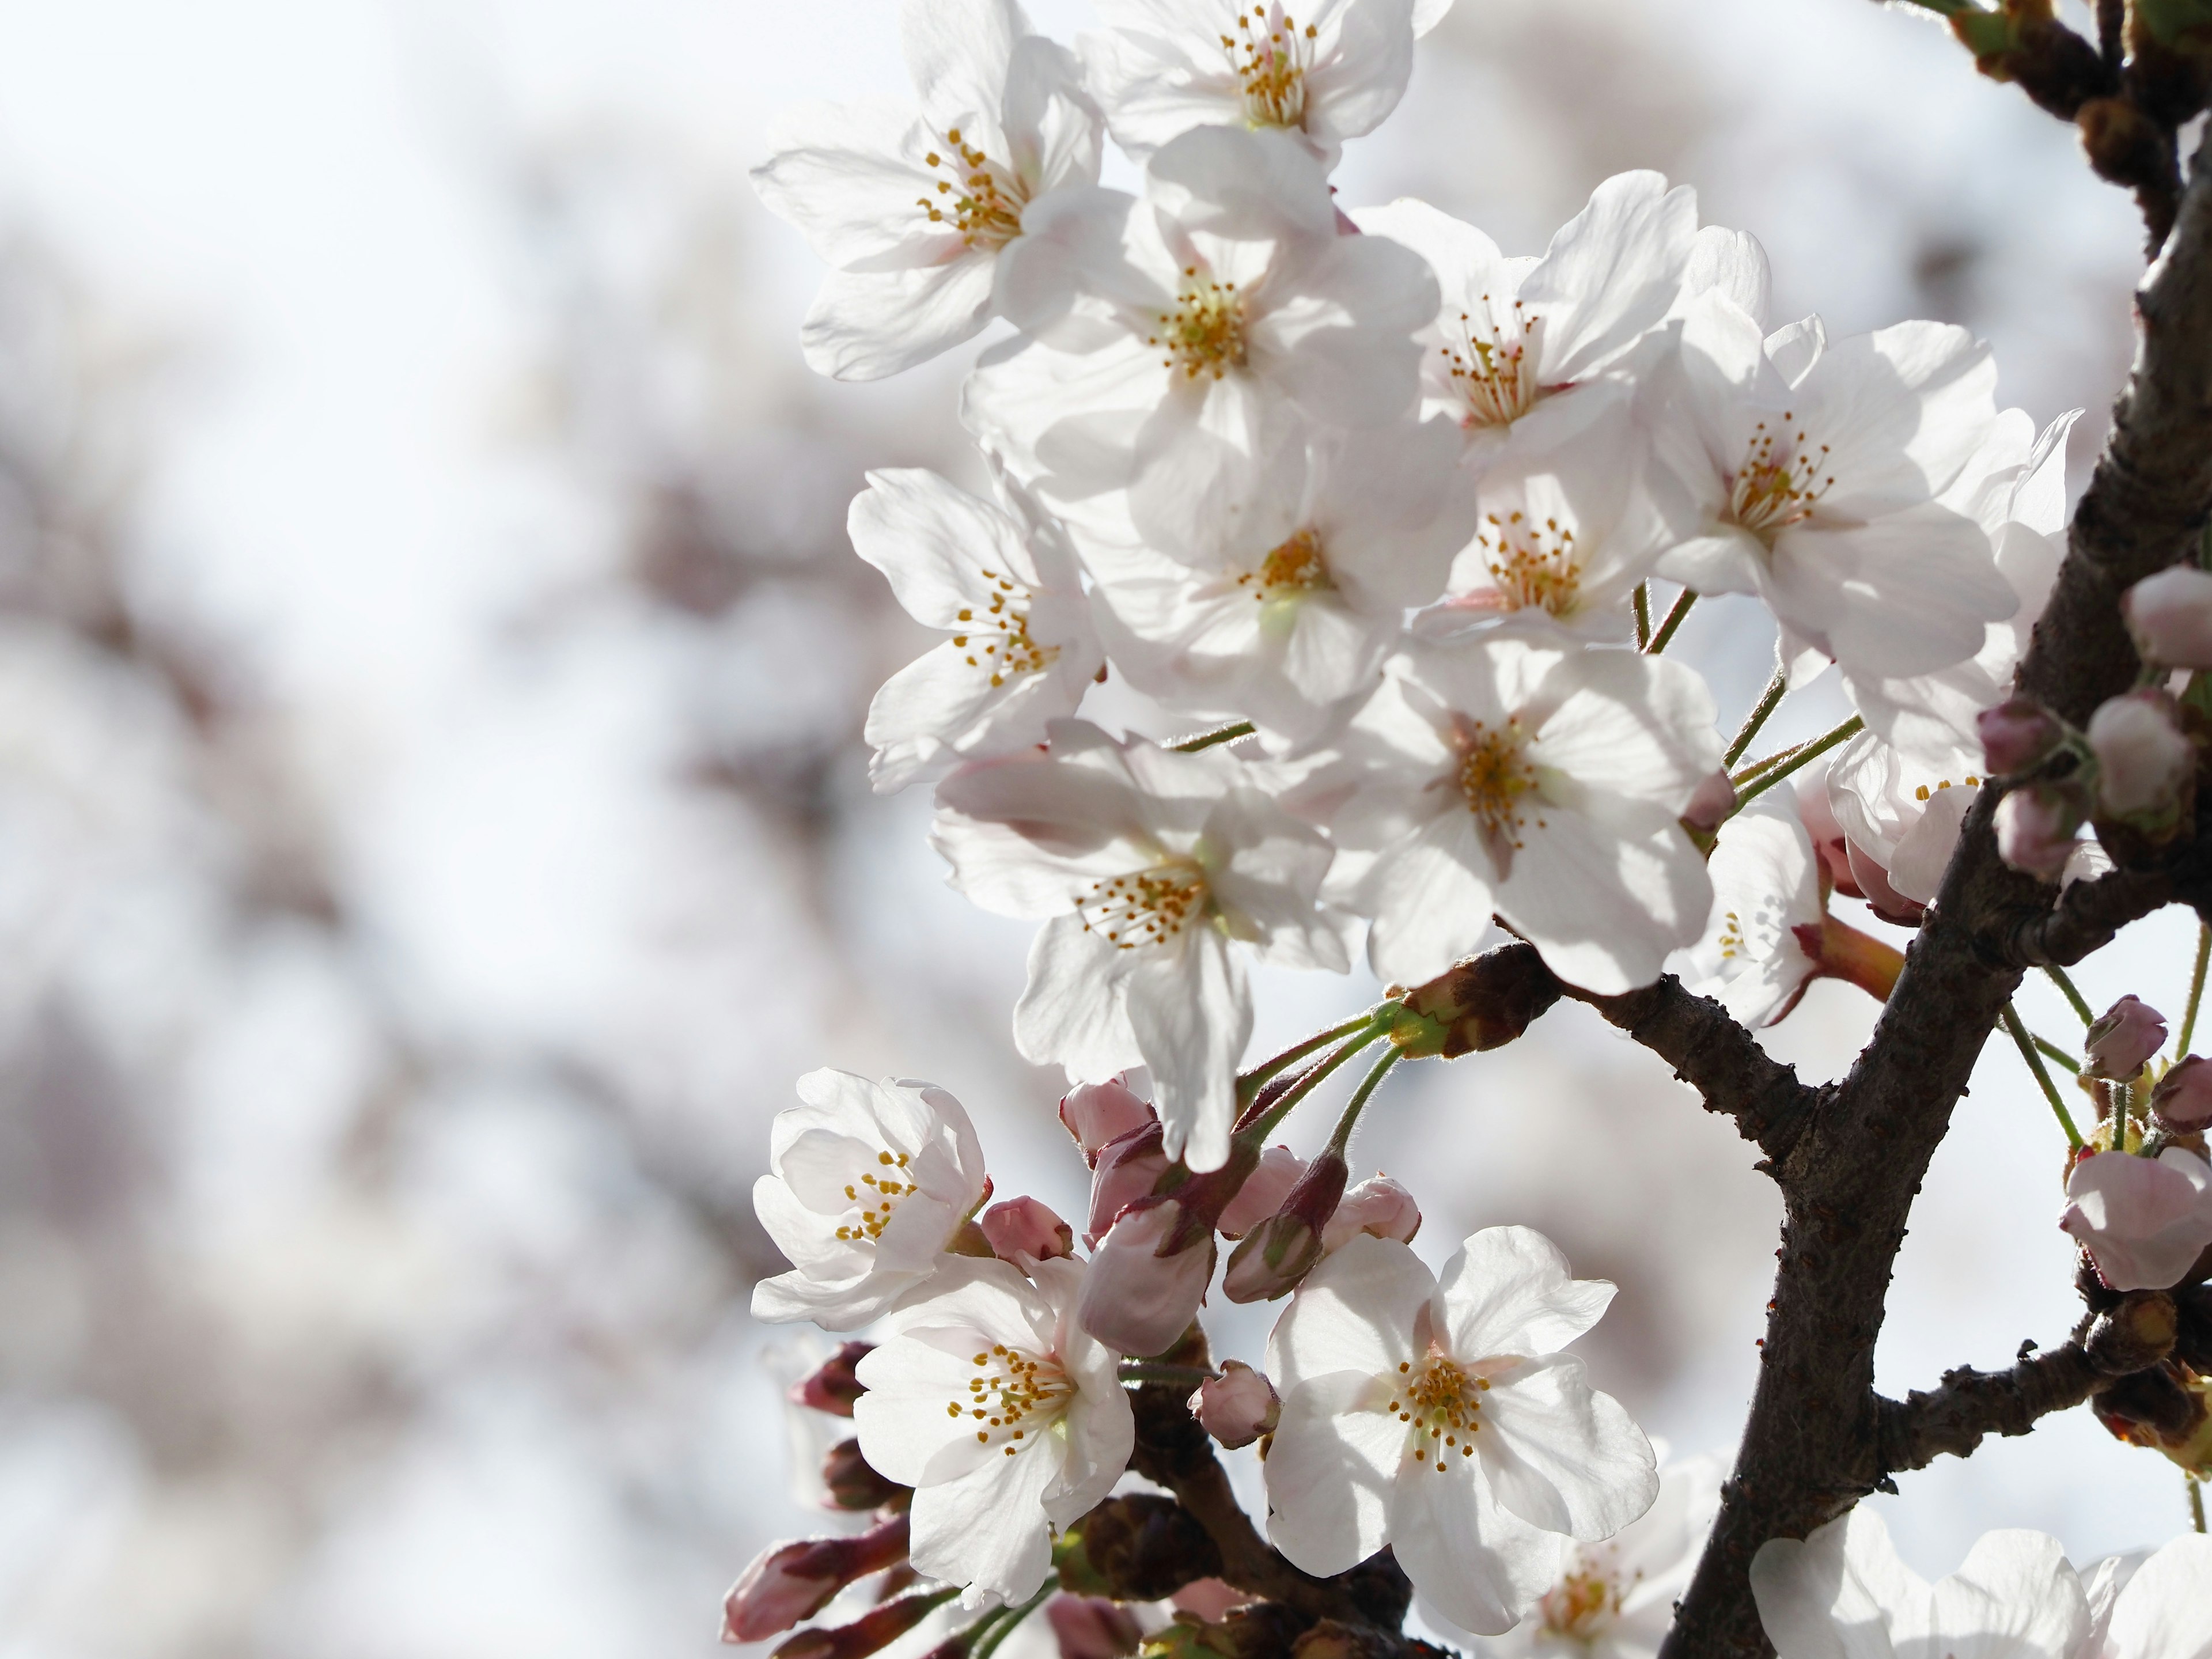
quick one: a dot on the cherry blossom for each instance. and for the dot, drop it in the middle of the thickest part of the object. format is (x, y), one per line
(2123, 1038)
(1494, 773)
(1173, 341)
(1756, 958)
(1140, 1295)
(2144, 1221)
(921, 218)
(1438, 1416)
(1325, 71)
(2152, 1607)
(1147, 863)
(1833, 481)
(1900, 804)
(1517, 343)
(1007, 590)
(1006, 1419)
(1099, 1114)
(868, 1182)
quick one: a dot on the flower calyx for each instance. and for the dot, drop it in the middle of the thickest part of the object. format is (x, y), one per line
(1482, 1003)
(831, 1387)
(1270, 1260)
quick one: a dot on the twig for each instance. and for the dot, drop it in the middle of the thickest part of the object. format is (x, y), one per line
(1643, 607)
(1955, 1417)
(1666, 633)
(2086, 917)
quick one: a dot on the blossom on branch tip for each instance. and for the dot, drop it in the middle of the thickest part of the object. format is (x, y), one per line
(1900, 805)
(831, 1387)
(1145, 865)
(2170, 617)
(1003, 583)
(923, 219)
(2122, 1039)
(1439, 1418)
(1238, 1406)
(2144, 1221)
(1007, 1420)
(868, 1183)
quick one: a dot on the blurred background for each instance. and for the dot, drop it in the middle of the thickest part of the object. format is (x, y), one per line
(435, 829)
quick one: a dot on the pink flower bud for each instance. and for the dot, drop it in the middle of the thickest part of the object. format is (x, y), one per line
(1262, 1193)
(2183, 1100)
(1092, 1627)
(1024, 1227)
(2143, 760)
(2016, 734)
(1098, 1113)
(1377, 1204)
(2129, 1033)
(791, 1582)
(1710, 807)
(1872, 880)
(833, 1387)
(2170, 616)
(1135, 1300)
(1238, 1406)
(872, 1631)
(1127, 1170)
(2035, 830)
(1282, 1250)
(2144, 1221)
(1826, 834)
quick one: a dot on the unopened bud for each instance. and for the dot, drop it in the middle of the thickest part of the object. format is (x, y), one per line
(2157, 1407)
(791, 1582)
(2170, 615)
(1826, 835)
(1135, 1300)
(2144, 762)
(852, 1484)
(1871, 877)
(1263, 1192)
(2126, 1036)
(2182, 1102)
(1092, 1627)
(2035, 827)
(2134, 1336)
(1711, 805)
(2017, 734)
(833, 1387)
(1096, 1114)
(1238, 1406)
(1136, 1547)
(1484, 1002)
(2144, 1221)
(1377, 1204)
(1025, 1227)
(1127, 1169)
(1275, 1256)
(874, 1631)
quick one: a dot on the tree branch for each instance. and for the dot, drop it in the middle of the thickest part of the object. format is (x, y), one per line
(2086, 917)
(1911, 1433)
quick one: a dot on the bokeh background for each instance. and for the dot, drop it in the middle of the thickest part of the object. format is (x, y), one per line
(434, 833)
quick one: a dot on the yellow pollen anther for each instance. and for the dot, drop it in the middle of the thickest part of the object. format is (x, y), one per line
(1493, 776)
(1494, 368)
(1295, 566)
(1535, 566)
(985, 199)
(1146, 907)
(1780, 482)
(1271, 55)
(1205, 332)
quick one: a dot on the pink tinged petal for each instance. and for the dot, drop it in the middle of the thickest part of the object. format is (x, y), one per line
(1360, 1310)
(1377, 1207)
(1509, 1290)
(1476, 1562)
(2144, 1221)
(1134, 1300)
(1099, 1114)
(1072, 1012)
(2164, 1612)
(1191, 1010)
(1330, 1472)
(1262, 1193)
(1565, 1457)
(1612, 271)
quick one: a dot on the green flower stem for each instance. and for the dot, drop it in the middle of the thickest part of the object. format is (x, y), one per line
(1665, 636)
(2080, 1008)
(1256, 1127)
(1769, 701)
(2195, 988)
(1013, 1616)
(1250, 1085)
(1643, 616)
(1342, 1138)
(1796, 758)
(2196, 1502)
(1191, 745)
(2056, 1054)
(2035, 1064)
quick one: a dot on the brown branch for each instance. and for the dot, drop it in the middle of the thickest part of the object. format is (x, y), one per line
(1715, 1056)
(1911, 1433)
(2086, 917)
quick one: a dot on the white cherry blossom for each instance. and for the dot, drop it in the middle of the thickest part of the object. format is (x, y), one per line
(1172, 340)
(868, 1181)
(1325, 71)
(920, 218)
(1616, 1599)
(1146, 864)
(1767, 902)
(2153, 1607)
(1008, 1421)
(1545, 783)
(1843, 1594)
(1516, 341)
(1833, 481)
(1901, 804)
(1289, 607)
(1007, 590)
(1438, 1416)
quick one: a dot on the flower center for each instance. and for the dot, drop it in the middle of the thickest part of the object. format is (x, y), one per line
(1582, 1605)
(982, 200)
(1008, 648)
(1535, 566)
(1205, 332)
(1011, 1394)
(880, 1199)
(1295, 566)
(1270, 54)
(1146, 907)
(1493, 776)
(1780, 481)
(1442, 1403)
(1494, 369)
(1924, 791)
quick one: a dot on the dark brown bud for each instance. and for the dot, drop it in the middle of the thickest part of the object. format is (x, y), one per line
(1139, 1548)
(2134, 1336)
(875, 1629)
(2125, 145)
(2151, 1408)
(833, 1387)
(1263, 1630)
(1482, 1003)
(853, 1485)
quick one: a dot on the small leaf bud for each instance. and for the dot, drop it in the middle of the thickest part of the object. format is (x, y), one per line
(2182, 1102)
(1484, 1002)
(874, 1631)
(1275, 1256)
(852, 1484)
